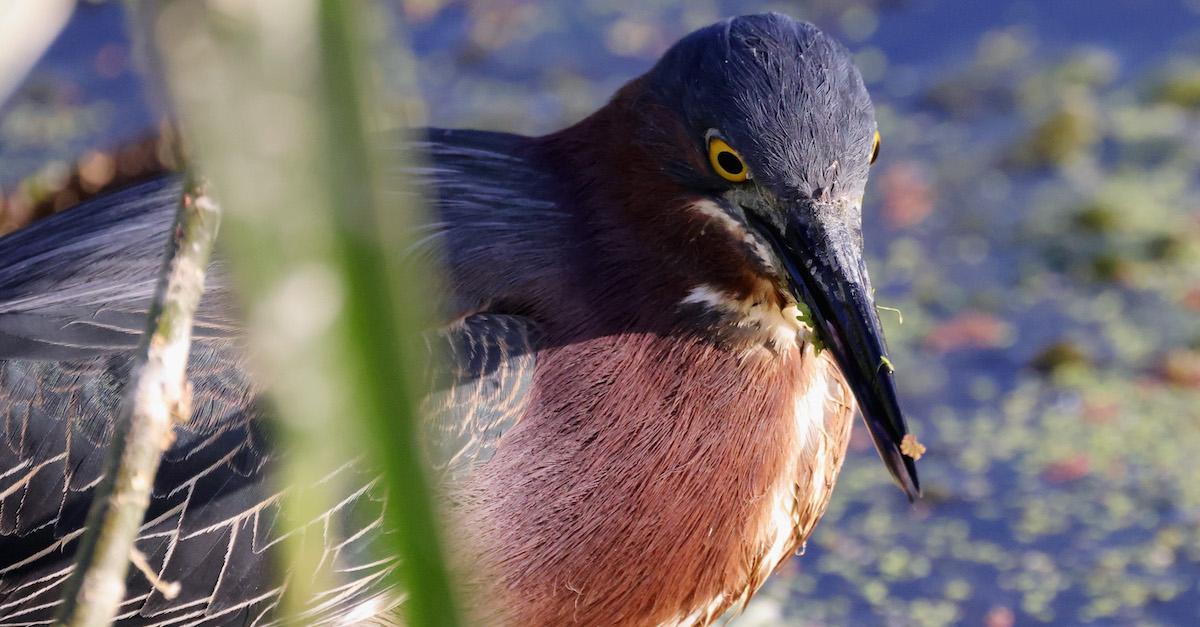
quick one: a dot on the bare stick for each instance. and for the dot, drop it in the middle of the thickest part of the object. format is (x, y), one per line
(169, 589)
(158, 398)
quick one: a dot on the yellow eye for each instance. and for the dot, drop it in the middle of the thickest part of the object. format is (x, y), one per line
(726, 162)
(875, 149)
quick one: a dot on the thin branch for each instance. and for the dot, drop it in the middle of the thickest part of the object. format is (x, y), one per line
(159, 397)
(169, 589)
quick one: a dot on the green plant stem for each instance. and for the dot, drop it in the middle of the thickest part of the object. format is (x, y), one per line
(278, 111)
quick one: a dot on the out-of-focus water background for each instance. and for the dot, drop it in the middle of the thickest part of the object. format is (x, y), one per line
(1035, 215)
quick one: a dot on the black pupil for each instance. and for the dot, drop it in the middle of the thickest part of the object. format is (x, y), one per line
(730, 163)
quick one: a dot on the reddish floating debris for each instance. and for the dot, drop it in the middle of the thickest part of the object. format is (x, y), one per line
(969, 330)
(908, 196)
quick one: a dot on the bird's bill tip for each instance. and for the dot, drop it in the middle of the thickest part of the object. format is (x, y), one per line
(850, 329)
(827, 274)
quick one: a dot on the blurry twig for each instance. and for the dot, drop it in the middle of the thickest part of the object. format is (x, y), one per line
(159, 397)
(27, 28)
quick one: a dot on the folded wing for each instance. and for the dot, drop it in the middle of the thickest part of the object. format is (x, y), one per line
(74, 291)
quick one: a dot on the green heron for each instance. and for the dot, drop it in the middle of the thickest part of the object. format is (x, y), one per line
(660, 323)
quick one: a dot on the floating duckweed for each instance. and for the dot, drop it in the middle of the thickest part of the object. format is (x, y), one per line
(1182, 89)
(929, 613)
(1100, 217)
(1165, 247)
(807, 319)
(1061, 356)
(875, 592)
(1167, 591)
(894, 564)
(1100, 608)
(1063, 135)
(958, 590)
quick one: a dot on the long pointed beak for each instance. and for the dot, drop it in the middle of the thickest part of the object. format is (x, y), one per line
(826, 272)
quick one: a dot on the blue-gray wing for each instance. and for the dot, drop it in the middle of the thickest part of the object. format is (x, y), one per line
(74, 291)
(79, 283)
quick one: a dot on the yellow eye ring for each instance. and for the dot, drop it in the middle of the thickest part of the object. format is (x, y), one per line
(726, 161)
(874, 149)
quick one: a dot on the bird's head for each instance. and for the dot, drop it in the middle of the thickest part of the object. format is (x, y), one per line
(766, 120)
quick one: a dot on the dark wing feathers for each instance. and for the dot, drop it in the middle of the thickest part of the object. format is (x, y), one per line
(79, 283)
(491, 359)
(74, 289)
